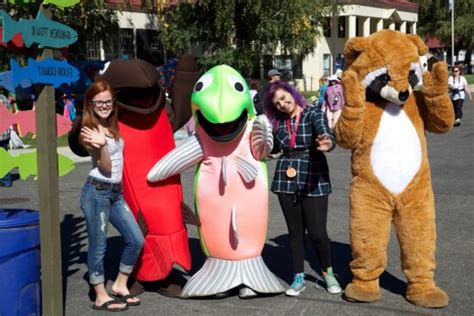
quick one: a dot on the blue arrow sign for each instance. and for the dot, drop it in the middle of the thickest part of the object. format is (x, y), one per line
(47, 71)
(45, 32)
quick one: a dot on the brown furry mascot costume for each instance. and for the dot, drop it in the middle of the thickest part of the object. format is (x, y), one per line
(384, 123)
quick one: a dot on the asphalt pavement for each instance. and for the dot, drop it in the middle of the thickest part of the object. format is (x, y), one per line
(452, 167)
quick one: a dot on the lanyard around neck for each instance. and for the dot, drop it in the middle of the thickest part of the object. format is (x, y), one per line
(291, 135)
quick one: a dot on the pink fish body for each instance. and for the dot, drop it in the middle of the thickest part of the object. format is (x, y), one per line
(220, 189)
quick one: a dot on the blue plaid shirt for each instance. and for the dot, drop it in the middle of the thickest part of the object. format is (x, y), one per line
(312, 172)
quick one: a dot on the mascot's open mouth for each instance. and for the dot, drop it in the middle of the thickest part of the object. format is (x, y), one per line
(226, 131)
(138, 97)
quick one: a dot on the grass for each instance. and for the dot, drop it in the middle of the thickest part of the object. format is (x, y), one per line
(30, 140)
(469, 78)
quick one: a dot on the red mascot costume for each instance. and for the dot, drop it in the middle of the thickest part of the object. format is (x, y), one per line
(144, 121)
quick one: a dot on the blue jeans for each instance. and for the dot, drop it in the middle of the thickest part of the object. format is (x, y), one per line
(100, 207)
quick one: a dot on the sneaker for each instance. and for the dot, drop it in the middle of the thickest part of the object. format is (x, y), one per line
(457, 122)
(332, 285)
(297, 286)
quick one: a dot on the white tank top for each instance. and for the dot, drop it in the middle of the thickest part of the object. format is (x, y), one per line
(116, 157)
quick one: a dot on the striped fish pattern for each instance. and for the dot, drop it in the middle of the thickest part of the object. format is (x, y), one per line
(218, 276)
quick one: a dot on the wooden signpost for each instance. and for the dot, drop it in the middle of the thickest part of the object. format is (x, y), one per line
(46, 33)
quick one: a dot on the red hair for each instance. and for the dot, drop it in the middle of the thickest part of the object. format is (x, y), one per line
(89, 118)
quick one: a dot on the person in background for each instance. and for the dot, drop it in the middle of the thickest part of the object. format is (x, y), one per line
(102, 200)
(272, 76)
(254, 86)
(458, 88)
(301, 179)
(6, 180)
(333, 100)
(323, 83)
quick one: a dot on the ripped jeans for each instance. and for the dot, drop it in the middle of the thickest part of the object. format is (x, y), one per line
(100, 207)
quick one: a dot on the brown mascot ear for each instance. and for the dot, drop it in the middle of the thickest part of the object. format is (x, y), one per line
(354, 47)
(422, 48)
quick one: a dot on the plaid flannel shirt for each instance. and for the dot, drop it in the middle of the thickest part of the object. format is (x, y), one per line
(312, 170)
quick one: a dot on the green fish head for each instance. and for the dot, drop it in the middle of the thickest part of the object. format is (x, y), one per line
(221, 103)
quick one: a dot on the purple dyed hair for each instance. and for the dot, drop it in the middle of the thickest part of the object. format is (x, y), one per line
(272, 113)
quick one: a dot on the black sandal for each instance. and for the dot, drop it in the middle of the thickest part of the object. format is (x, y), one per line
(124, 298)
(105, 306)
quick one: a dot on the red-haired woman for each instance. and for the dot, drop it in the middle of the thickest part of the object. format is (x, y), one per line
(102, 200)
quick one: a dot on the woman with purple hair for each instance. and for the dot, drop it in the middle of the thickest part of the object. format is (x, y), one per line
(301, 180)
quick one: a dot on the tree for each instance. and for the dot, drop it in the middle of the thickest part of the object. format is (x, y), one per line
(240, 32)
(434, 19)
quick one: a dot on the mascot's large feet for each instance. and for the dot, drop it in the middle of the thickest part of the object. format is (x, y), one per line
(135, 287)
(363, 291)
(429, 296)
(169, 287)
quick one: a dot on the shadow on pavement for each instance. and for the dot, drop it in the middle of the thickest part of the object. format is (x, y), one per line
(73, 235)
(279, 262)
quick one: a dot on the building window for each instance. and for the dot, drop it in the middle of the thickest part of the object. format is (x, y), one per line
(111, 47)
(326, 64)
(290, 67)
(358, 27)
(340, 62)
(398, 26)
(126, 44)
(93, 48)
(149, 47)
(409, 28)
(373, 25)
(327, 24)
(342, 27)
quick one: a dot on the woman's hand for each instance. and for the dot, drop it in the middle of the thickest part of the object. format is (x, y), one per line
(93, 137)
(323, 143)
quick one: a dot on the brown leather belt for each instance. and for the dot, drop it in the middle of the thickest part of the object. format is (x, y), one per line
(102, 185)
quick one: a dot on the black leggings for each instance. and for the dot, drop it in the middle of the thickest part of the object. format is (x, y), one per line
(307, 213)
(458, 108)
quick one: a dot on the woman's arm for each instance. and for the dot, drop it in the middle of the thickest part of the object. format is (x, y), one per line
(466, 88)
(325, 140)
(95, 142)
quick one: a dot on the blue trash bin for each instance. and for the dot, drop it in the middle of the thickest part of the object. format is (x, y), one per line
(19, 262)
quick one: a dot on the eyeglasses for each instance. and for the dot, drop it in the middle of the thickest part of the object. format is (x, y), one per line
(101, 103)
(455, 70)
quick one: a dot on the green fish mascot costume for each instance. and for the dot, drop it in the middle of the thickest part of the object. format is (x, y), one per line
(231, 187)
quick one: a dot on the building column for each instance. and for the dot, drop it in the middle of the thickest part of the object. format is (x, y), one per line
(380, 24)
(351, 25)
(366, 27)
(403, 27)
(135, 49)
(391, 26)
(101, 50)
(413, 28)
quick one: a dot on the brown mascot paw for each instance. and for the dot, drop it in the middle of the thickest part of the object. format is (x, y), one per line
(354, 90)
(427, 296)
(436, 82)
(363, 291)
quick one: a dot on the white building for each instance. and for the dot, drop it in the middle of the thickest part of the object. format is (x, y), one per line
(356, 18)
(138, 37)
